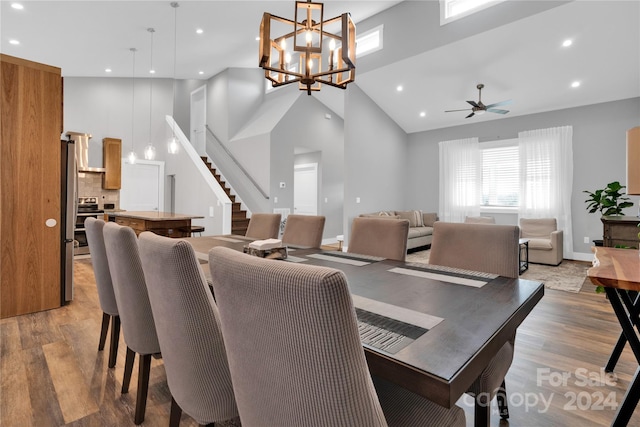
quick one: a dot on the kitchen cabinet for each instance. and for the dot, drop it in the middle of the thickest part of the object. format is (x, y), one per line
(633, 161)
(112, 162)
(30, 181)
(621, 230)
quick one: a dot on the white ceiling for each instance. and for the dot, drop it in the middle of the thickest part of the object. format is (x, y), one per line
(522, 61)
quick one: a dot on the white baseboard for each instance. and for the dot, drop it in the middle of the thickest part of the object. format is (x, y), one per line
(581, 256)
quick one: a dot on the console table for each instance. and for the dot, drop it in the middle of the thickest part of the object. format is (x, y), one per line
(621, 230)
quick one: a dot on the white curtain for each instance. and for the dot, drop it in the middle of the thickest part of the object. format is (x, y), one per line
(546, 178)
(460, 179)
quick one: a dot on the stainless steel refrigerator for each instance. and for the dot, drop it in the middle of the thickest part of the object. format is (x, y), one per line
(69, 194)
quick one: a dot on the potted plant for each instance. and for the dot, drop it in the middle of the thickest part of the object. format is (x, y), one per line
(609, 201)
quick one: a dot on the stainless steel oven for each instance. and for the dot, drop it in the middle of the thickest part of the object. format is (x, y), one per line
(87, 207)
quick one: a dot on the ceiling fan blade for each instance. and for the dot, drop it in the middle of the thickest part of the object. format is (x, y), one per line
(470, 115)
(473, 103)
(493, 110)
(451, 111)
(497, 104)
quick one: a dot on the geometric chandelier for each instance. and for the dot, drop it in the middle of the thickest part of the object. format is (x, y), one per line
(296, 55)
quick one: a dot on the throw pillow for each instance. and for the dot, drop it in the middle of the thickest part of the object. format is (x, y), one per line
(414, 217)
(429, 218)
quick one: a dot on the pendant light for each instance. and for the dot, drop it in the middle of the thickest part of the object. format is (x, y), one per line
(173, 141)
(150, 150)
(132, 154)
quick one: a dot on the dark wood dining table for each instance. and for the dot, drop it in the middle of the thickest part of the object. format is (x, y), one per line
(618, 271)
(473, 315)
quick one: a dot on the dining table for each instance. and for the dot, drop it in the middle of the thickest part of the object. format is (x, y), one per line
(617, 270)
(455, 320)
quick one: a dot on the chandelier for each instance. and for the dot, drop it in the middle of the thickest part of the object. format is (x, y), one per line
(305, 37)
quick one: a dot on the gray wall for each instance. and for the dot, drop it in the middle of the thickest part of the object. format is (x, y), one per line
(599, 156)
(305, 127)
(375, 152)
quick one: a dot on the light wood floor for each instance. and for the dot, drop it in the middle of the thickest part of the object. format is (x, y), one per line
(51, 373)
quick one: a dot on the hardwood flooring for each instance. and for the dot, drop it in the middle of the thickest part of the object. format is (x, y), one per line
(51, 373)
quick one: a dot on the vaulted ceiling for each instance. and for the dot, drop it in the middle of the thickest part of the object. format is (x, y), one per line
(519, 59)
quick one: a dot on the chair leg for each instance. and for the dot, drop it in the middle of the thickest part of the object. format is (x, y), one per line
(482, 410)
(175, 414)
(115, 338)
(501, 396)
(128, 368)
(103, 330)
(144, 367)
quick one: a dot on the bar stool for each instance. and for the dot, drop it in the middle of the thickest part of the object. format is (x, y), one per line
(193, 229)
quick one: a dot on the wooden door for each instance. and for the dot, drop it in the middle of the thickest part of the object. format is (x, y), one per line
(30, 165)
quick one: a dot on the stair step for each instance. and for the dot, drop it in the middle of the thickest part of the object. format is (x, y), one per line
(240, 222)
(238, 215)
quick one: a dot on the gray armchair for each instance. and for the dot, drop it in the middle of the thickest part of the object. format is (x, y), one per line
(294, 350)
(545, 240)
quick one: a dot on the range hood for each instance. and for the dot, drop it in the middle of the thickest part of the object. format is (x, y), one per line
(81, 140)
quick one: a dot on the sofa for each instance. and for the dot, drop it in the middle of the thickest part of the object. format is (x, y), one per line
(420, 225)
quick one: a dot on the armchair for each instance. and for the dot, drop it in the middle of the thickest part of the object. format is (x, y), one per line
(545, 240)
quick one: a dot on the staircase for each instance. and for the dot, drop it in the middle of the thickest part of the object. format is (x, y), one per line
(239, 220)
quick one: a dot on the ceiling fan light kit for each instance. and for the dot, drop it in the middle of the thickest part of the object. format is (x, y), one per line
(478, 108)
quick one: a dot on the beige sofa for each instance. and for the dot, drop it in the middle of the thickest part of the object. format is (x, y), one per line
(420, 225)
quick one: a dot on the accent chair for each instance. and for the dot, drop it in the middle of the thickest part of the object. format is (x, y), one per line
(545, 240)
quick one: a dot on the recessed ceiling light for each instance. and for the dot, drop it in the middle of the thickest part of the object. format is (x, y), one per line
(199, 31)
(200, 72)
(152, 71)
(107, 70)
(567, 43)
(14, 41)
(575, 84)
(399, 88)
(17, 6)
(257, 38)
(423, 114)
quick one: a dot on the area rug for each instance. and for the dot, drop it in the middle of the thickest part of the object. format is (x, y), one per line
(568, 276)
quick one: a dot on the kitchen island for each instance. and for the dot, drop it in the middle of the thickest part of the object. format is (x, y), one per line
(162, 223)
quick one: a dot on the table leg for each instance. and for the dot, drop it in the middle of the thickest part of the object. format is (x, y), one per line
(632, 396)
(622, 340)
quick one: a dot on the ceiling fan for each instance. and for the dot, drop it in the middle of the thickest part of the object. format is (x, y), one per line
(480, 108)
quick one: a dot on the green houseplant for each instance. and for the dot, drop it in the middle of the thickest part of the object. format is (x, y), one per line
(609, 201)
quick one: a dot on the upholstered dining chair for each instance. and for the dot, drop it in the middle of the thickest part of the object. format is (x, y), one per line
(381, 237)
(488, 248)
(294, 350)
(106, 296)
(303, 230)
(186, 318)
(264, 226)
(136, 317)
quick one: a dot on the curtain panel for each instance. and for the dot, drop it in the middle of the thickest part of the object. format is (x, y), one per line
(546, 178)
(460, 179)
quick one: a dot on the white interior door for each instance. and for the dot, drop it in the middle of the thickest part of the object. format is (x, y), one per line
(305, 189)
(198, 120)
(142, 186)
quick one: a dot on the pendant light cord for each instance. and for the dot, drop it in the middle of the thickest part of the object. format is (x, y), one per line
(175, 6)
(133, 94)
(152, 71)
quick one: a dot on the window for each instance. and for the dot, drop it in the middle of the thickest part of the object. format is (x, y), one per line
(369, 41)
(450, 10)
(500, 173)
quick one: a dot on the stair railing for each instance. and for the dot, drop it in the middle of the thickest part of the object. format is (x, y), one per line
(235, 161)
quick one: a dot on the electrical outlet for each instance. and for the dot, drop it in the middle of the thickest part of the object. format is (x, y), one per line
(357, 199)
(275, 200)
(326, 200)
(211, 211)
(586, 240)
(282, 185)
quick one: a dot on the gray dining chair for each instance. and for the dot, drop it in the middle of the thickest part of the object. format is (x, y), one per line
(303, 230)
(488, 248)
(186, 318)
(381, 237)
(136, 317)
(106, 295)
(264, 226)
(294, 350)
